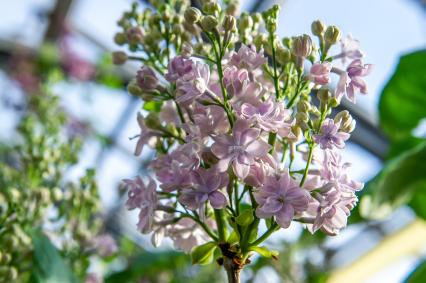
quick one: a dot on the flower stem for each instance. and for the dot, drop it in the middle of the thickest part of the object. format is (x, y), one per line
(305, 173)
(220, 222)
(265, 235)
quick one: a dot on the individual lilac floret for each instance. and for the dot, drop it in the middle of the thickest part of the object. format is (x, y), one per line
(147, 136)
(206, 185)
(143, 197)
(146, 79)
(186, 234)
(330, 135)
(269, 115)
(235, 80)
(320, 73)
(178, 67)
(281, 197)
(193, 84)
(241, 149)
(350, 49)
(247, 58)
(351, 81)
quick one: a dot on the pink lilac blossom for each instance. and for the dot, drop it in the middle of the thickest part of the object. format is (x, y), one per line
(320, 73)
(350, 49)
(206, 186)
(187, 234)
(179, 67)
(193, 84)
(351, 82)
(104, 244)
(281, 197)
(330, 136)
(147, 136)
(247, 58)
(269, 115)
(235, 80)
(143, 197)
(147, 79)
(241, 149)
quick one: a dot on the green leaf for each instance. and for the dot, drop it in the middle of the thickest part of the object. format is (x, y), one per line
(395, 185)
(153, 106)
(418, 275)
(233, 237)
(403, 100)
(418, 202)
(265, 252)
(203, 254)
(49, 267)
(245, 218)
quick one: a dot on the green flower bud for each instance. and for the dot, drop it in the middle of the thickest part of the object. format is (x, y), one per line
(152, 121)
(283, 55)
(261, 40)
(230, 23)
(257, 18)
(120, 38)
(318, 28)
(133, 88)
(211, 8)
(233, 9)
(297, 131)
(14, 194)
(57, 194)
(119, 57)
(303, 106)
(323, 95)
(246, 22)
(302, 117)
(334, 102)
(302, 46)
(192, 15)
(178, 29)
(332, 35)
(209, 23)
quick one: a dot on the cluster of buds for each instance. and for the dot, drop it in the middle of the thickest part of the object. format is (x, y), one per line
(228, 124)
(33, 176)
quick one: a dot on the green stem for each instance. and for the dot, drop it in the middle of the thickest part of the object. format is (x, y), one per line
(220, 222)
(274, 227)
(305, 173)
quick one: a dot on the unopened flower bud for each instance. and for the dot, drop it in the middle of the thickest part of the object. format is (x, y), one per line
(334, 102)
(119, 57)
(211, 8)
(302, 46)
(257, 18)
(246, 22)
(120, 38)
(192, 15)
(332, 35)
(134, 35)
(318, 28)
(323, 95)
(133, 88)
(57, 194)
(209, 23)
(187, 49)
(303, 106)
(302, 117)
(233, 9)
(261, 40)
(152, 121)
(229, 23)
(297, 131)
(15, 194)
(347, 123)
(146, 79)
(283, 55)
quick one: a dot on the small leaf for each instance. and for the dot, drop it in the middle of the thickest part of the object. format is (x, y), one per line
(400, 179)
(233, 237)
(153, 106)
(49, 267)
(418, 275)
(203, 254)
(245, 218)
(265, 252)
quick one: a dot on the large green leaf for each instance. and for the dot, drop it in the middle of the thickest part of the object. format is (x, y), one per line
(49, 267)
(395, 185)
(403, 101)
(418, 275)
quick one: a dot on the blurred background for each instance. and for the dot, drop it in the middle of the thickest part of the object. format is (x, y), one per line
(71, 40)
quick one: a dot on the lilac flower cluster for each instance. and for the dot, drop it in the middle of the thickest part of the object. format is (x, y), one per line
(231, 121)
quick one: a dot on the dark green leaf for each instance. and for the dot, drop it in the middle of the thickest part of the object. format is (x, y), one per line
(403, 101)
(418, 275)
(49, 267)
(400, 178)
